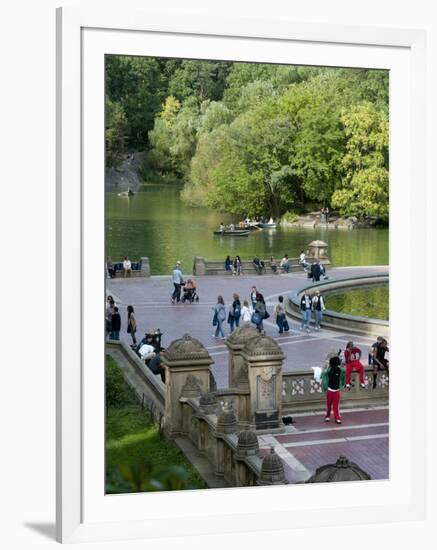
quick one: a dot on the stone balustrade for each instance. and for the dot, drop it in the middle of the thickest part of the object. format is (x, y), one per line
(302, 393)
(223, 425)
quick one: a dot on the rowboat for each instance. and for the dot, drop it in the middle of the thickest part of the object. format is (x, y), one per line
(234, 233)
(128, 193)
(273, 225)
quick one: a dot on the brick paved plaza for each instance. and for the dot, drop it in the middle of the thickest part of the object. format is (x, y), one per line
(153, 309)
(309, 442)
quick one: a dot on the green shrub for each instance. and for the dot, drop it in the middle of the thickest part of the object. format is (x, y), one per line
(290, 217)
(137, 457)
(118, 393)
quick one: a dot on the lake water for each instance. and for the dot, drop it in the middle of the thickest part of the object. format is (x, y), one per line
(365, 302)
(155, 223)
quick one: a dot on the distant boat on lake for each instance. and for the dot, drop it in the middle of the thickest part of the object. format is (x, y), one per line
(128, 193)
(268, 225)
(233, 233)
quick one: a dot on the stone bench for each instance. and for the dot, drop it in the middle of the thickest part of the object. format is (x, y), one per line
(217, 267)
(140, 268)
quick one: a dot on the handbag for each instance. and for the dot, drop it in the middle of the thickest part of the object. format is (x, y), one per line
(266, 315)
(129, 328)
(256, 318)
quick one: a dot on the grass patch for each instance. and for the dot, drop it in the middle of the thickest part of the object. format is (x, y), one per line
(138, 458)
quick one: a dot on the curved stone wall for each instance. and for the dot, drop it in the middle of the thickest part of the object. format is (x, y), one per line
(343, 321)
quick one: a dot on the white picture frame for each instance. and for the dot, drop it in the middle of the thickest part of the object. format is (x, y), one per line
(83, 512)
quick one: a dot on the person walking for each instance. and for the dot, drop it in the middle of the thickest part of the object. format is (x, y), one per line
(316, 271)
(131, 324)
(260, 312)
(305, 308)
(333, 378)
(281, 317)
(246, 312)
(352, 356)
(219, 317)
(253, 296)
(110, 304)
(318, 305)
(115, 325)
(177, 279)
(234, 312)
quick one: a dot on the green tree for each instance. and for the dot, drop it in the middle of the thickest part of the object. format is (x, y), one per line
(200, 79)
(137, 84)
(115, 132)
(364, 188)
(313, 109)
(174, 136)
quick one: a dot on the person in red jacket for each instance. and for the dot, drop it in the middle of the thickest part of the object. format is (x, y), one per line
(352, 356)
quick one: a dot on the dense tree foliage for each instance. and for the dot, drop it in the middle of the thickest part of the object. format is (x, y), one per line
(256, 139)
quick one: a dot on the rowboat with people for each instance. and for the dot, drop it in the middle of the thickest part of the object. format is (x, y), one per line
(232, 232)
(128, 193)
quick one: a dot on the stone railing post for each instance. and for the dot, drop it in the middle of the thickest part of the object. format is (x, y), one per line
(318, 250)
(186, 362)
(145, 266)
(264, 359)
(199, 267)
(237, 368)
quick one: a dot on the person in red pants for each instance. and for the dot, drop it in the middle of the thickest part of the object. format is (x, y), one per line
(352, 356)
(333, 378)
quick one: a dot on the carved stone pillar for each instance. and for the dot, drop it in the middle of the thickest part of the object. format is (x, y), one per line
(186, 362)
(145, 267)
(318, 250)
(199, 267)
(237, 368)
(272, 470)
(264, 359)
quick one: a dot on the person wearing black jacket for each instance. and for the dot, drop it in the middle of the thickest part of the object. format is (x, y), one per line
(115, 325)
(316, 271)
(305, 307)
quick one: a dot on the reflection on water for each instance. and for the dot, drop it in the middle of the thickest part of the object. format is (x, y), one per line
(156, 224)
(366, 302)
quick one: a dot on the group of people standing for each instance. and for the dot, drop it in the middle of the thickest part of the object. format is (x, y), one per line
(337, 374)
(253, 310)
(311, 304)
(113, 321)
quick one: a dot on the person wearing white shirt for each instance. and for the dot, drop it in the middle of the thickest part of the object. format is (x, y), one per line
(285, 264)
(246, 312)
(127, 266)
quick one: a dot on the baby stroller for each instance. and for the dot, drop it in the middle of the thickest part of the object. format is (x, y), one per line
(190, 292)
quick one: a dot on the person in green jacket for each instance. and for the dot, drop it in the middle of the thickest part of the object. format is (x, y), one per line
(333, 378)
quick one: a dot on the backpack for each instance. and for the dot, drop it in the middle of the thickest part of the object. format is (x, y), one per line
(221, 314)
